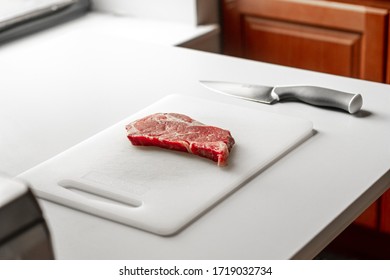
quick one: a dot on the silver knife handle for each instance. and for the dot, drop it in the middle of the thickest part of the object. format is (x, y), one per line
(320, 96)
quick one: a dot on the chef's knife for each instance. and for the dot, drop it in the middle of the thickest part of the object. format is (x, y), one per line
(314, 95)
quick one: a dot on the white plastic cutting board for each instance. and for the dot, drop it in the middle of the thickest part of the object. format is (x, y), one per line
(158, 190)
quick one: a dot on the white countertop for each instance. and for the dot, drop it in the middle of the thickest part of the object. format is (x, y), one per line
(68, 83)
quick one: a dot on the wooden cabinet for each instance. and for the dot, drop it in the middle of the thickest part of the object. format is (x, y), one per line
(342, 37)
(230, 22)
(337, 38)
(384, 214)
(384, 5)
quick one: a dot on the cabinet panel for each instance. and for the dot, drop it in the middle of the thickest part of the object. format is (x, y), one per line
(231, 39)
(369, 218)
(388, 55)
(313, 48)
(385, 212)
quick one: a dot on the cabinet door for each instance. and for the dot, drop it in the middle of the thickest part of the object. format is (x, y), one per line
(302, 46)
(326, 36)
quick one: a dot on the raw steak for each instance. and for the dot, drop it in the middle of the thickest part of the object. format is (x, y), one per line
(181, 133)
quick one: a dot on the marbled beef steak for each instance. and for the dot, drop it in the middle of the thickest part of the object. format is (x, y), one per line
(181, 133)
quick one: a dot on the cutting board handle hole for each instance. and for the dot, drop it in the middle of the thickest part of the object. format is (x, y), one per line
(90, 191)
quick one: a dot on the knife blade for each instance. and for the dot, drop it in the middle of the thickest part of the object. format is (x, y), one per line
(314, 95)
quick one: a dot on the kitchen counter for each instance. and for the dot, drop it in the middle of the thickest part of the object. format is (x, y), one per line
(66, 84)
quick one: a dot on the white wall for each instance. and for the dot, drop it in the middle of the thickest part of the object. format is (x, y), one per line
(193, 12)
